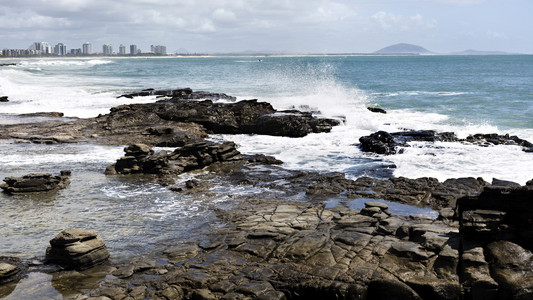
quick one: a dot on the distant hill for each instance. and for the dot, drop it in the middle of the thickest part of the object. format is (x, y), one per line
(403, 48)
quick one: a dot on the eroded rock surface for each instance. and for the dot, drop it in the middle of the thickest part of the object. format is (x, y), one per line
(36, 182)
(141, 159)
(78, 249)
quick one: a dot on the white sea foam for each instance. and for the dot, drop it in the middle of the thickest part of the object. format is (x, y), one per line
(31, 91)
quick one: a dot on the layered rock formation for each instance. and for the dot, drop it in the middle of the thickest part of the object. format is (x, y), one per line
(10, 269)
(496, 237)
(77, 249)
(140, 159)
(36, 182)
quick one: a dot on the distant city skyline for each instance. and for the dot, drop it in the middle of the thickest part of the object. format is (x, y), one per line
(310, 26)
(61, 49)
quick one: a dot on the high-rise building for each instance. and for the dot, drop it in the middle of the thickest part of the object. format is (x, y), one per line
(60, 49)
(133, 49)
(42, 47)
(159, 50)
(122, 49)
(87, 48)
(75, 51)
(107, 49)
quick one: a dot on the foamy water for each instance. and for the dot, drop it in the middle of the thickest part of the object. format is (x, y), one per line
(334, 87)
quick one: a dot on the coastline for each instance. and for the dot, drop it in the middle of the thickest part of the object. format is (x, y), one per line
(267, 246)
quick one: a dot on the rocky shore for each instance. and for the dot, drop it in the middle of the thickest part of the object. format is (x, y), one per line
(271, 247)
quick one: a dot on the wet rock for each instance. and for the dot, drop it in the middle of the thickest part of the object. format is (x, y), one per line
(77, 249)
(386, 143)
(9, 270)
(4, 99)
(262, 159)
(36, 182)
(181, 94)
(140, 159)
(377, 110)
(43, 114)
(382, 142)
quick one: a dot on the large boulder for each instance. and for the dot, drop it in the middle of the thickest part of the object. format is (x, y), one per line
(36, 182)
(78, 249)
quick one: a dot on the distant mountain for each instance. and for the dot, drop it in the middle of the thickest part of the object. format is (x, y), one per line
(403, 48)
(476, 52)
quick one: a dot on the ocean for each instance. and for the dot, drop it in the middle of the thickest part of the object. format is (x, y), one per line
(462, 94)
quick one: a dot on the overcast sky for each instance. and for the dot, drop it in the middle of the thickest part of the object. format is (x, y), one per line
(308, 26)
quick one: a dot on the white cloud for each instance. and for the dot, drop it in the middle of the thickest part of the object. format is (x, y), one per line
(394, 22)
(223, 15)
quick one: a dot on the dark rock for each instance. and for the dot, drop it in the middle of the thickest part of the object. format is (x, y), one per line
(377, 110)
(386, 143)
(512, 268)
(389, 289)
(181, 94)
(77, 249)
(140, 159)
(496, 139)
(498, 213)
(43, 114)
(8, 64)
(262, 159)
(4, 99)
(504, 183)
(380, 142)
(36, 182)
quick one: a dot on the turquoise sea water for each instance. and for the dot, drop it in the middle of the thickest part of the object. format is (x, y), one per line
(463, 94)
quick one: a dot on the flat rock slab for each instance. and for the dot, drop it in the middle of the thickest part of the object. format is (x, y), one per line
(36, 182)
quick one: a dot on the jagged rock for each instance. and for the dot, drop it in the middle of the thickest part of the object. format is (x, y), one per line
(36, 182)
(140, 159)
(4, 99)
(77, 249)
(377, 110)
(262, 159)
(382, 142)
(182, 94)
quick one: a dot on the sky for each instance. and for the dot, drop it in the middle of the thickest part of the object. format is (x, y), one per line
(300, 26)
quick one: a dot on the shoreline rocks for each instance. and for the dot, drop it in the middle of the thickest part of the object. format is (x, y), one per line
(141, 159)
(77, 249)
(386, 143)
(36, 182)
(4, 99)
